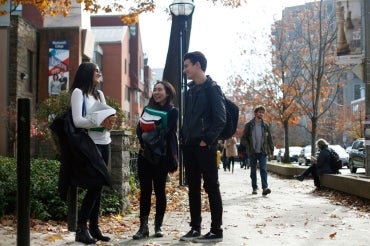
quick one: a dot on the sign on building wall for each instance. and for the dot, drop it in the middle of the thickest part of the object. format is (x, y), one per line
(350, 33)
(58, 67)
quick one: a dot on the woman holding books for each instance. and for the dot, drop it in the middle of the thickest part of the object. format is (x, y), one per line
(156, 159)
(88, 174)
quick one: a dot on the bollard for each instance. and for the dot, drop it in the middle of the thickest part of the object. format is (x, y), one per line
(23, 172)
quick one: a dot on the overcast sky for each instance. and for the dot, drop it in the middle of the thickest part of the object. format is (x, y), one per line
(216, 32)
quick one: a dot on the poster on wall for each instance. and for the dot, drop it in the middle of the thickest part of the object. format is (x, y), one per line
(58, 67)
(349, 36)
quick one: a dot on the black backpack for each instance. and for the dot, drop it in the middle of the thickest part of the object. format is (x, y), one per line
(335, 162)
(232, 117)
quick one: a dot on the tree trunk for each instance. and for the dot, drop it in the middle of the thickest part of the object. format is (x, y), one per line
(286, 158)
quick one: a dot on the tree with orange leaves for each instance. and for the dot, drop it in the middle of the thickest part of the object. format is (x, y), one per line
(320, 78)
(277, 89)
(130, 9)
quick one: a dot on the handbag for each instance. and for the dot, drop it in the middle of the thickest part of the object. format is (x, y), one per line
(154, 146)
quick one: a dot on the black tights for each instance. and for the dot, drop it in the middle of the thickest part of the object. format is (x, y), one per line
(90, 207)
(152, 176)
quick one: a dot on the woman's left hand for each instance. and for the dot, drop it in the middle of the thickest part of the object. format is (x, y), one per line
(109, 122)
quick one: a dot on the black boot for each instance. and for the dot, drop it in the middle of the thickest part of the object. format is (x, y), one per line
(143, 231)
(299, 177)
(157, 226)
(96, 233)
(83, 235)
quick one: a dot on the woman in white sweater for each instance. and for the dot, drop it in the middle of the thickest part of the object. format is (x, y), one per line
(85, 97)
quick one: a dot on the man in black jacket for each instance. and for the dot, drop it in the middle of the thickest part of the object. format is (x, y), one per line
(204, 119)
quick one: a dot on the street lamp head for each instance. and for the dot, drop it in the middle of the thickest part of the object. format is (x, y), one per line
(182, 7)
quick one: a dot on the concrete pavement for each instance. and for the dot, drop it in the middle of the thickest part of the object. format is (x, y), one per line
(291, 215)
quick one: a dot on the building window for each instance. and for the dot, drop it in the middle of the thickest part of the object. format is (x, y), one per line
(30, 64)
(357, 92)
(137, 96)
(127, 94)
(125, 66)
(142, 75)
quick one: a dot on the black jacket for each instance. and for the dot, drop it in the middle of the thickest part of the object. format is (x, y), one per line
(247, 140)
(81, 162)
(204, 115)
(170, 163)
(323, 162)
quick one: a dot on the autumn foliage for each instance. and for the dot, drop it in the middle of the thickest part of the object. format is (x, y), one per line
(130, 10)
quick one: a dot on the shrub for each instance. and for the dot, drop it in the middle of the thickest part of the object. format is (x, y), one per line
(45, 202)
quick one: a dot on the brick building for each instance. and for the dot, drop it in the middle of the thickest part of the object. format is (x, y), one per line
(29, 48)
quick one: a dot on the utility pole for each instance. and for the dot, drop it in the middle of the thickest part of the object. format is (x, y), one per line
(366, 4)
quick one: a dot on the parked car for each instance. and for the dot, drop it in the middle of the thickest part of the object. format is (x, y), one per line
(343, 155)
(294, 152)
(305, 155)
(278, 153)
(348, 149)
(357, 155)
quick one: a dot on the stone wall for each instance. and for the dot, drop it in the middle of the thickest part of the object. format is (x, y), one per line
(120, 165)
(23, 52)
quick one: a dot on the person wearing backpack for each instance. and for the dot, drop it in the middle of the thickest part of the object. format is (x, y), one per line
(154, 175)
(320, 164)
(204, 120)
(257, 140)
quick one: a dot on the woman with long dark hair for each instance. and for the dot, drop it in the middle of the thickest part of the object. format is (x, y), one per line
(155, 175)
(84, 96)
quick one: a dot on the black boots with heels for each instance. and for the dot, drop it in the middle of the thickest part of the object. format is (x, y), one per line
(96, 233)
(143, 231)
(157, 226)
(83, 235)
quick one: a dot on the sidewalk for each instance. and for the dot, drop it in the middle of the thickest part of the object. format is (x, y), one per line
(291, 215)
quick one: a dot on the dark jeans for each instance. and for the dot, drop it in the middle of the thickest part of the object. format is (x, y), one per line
(200, 162)
(90, 206)
(313, 171)
(152, 176)
(262, 159)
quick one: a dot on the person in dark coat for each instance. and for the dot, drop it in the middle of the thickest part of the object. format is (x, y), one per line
(203, 121)
(85, 96)
(319, 166)
(257, 140)
(154, 175)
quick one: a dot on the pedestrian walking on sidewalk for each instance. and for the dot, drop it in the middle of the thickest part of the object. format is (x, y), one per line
(204, 119)
(257, 140)
(154, 175)
(231, 152)
(319, 165)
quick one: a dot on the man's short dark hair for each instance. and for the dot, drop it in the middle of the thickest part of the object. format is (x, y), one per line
(195, 57)
(258, 108)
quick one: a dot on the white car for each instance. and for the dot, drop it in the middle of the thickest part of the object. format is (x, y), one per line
(343, 155)
(294, 152)
(305, 155)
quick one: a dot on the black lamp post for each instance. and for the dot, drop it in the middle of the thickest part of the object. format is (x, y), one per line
(181, 9)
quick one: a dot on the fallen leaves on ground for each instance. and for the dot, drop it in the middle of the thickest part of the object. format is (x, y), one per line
(115, 224)
(347, 200)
